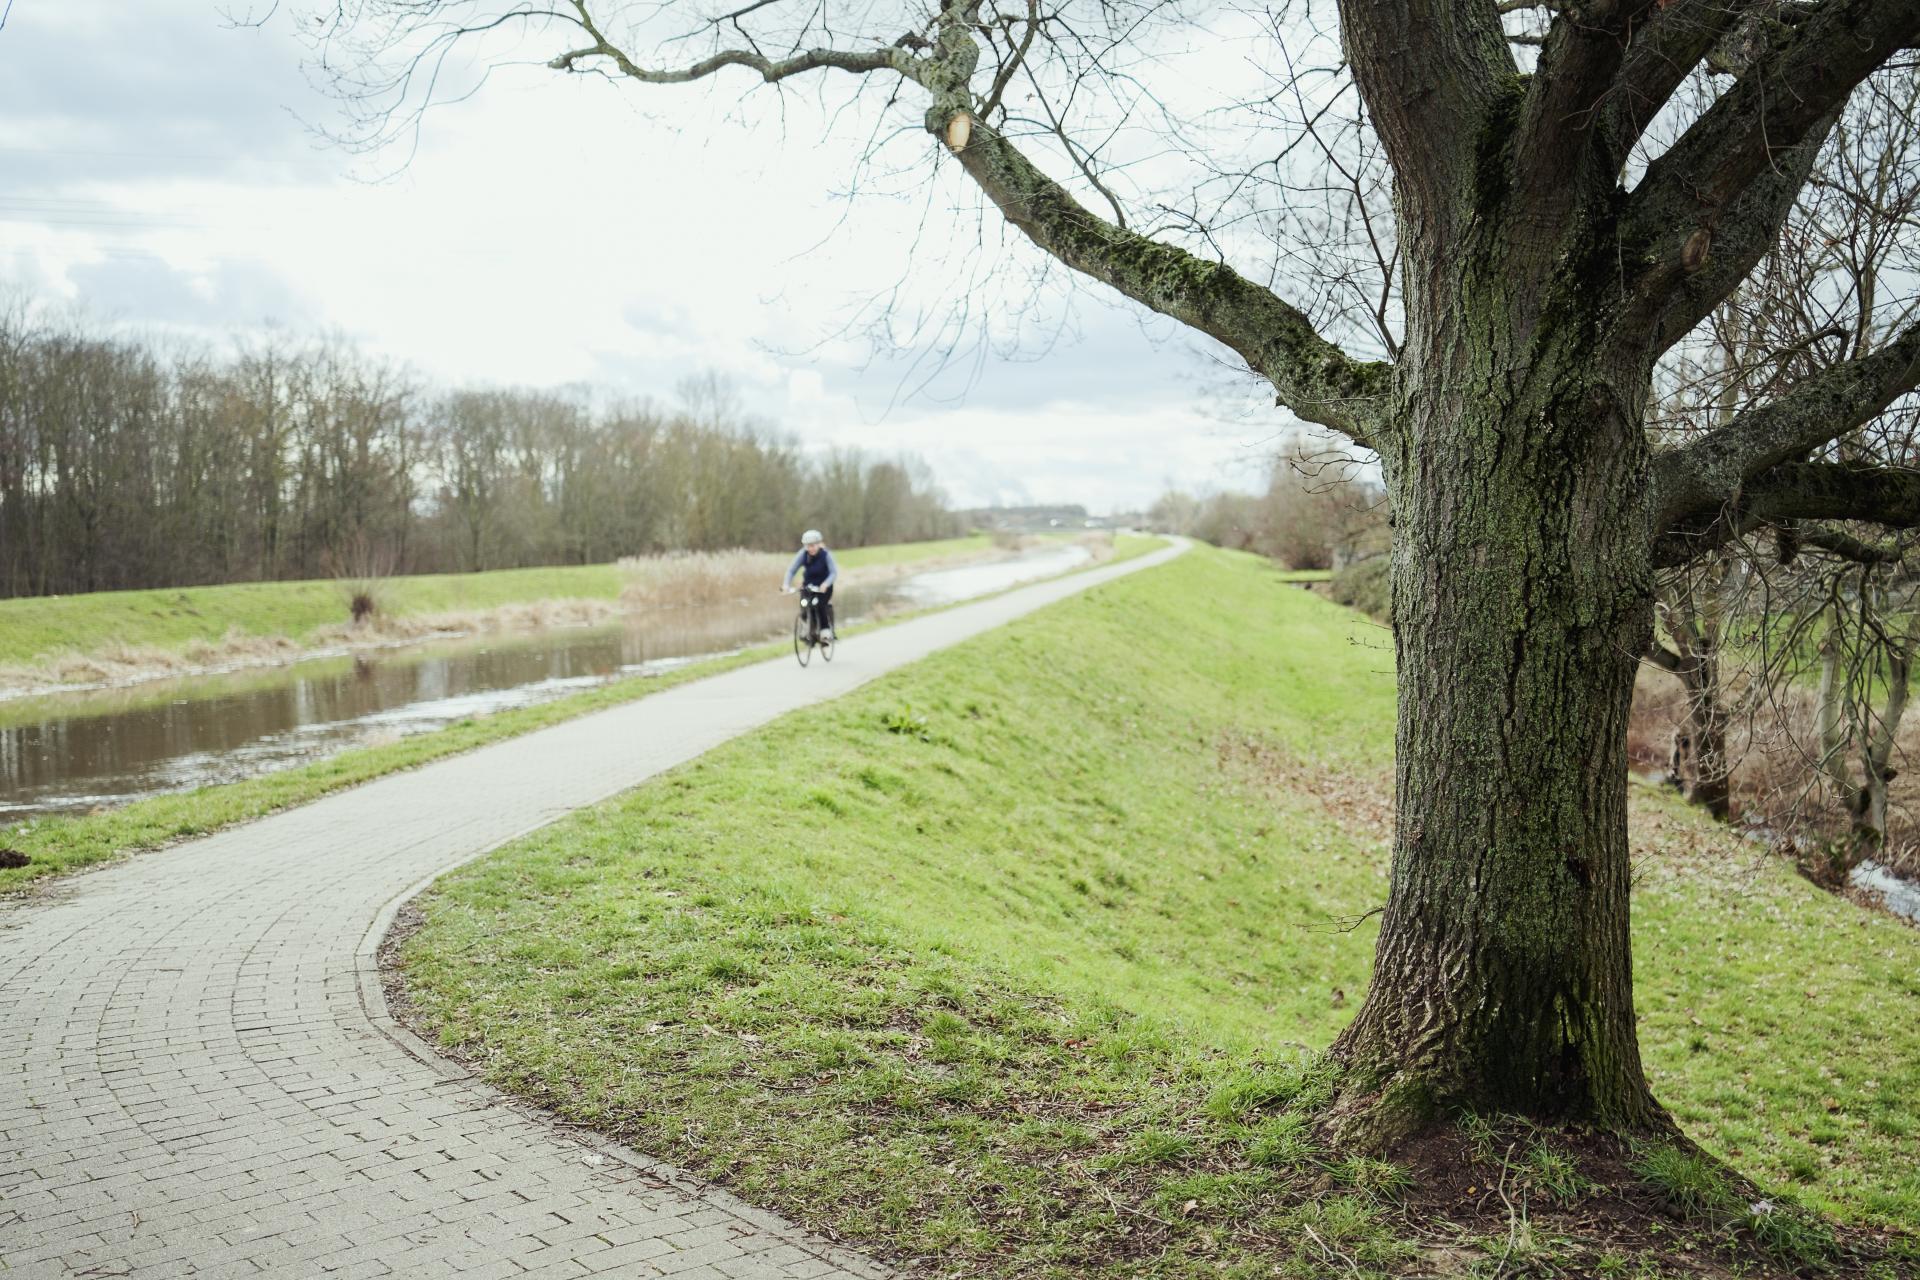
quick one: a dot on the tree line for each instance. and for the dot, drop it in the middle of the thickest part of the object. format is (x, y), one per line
(127, 464)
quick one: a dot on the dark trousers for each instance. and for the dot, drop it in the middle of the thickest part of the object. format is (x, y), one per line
(822, 607)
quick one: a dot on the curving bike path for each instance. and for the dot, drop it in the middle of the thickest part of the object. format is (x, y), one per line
(198, 1075)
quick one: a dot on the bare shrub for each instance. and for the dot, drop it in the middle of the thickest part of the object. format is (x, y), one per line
(361, 566)
(1365, 585)
(1317, 513)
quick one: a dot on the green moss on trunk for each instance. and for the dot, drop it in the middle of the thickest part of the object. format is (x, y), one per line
(1522, 599)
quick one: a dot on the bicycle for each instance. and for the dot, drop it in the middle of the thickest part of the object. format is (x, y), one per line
(806, 630)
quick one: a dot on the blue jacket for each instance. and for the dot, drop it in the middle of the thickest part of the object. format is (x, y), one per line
(822, 572)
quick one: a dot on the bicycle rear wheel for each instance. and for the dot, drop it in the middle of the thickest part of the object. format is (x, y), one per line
(802, 646)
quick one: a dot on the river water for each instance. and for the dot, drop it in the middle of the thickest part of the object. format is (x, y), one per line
(1898, 895)
(74, 752)
(1902, 897)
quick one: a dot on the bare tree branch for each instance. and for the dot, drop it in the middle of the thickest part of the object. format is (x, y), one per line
(1016, 60)
(1314, 378)
(1794, 491)
(1555, 158)
(1431, 73)
(1845, 545)
(1887, 496)
(1664, 658)
(1663, 53)
(1779, 100)
(1713, 471)
(886, 58)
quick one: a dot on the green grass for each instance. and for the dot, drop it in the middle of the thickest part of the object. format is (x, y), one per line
(35, 629)
(905, 552)
(1691, 1183)
(1128, 545)
(1026, 953)
(57, 846)
(1779, 1023)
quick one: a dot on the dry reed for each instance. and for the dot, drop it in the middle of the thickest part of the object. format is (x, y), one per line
(699, 579)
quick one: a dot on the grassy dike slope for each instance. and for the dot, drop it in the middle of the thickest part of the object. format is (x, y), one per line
(35, 629)
(1004, 963)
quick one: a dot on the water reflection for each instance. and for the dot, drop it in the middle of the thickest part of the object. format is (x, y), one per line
(73, 752)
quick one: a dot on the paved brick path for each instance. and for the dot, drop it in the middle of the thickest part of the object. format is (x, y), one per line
(198, 1076)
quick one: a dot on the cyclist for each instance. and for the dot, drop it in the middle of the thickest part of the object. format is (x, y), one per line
(818, 574)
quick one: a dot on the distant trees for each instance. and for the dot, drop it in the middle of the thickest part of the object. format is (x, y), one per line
(1314, 514)
(125, 466)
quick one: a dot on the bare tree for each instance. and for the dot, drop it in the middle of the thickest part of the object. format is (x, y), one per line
(1817, 299)
(1866, 663)
(1561, 220)
(1318, 512)
(1315, 513)
(1696, 606)
(123, 465)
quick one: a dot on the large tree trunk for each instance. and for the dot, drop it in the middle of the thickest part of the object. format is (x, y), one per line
(1522, 595)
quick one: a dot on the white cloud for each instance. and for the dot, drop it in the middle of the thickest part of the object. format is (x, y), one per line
(552, 231)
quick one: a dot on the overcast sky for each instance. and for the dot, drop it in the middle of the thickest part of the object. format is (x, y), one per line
(549, 230)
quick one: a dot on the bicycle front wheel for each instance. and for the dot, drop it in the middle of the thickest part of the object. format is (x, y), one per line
(802, 646)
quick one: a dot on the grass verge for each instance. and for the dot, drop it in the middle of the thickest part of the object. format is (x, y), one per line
(56, 846)
(1024, 972)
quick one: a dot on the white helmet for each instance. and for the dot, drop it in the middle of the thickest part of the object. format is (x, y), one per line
(810, 537)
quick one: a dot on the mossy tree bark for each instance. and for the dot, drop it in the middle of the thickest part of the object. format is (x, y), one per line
(1522, 591)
